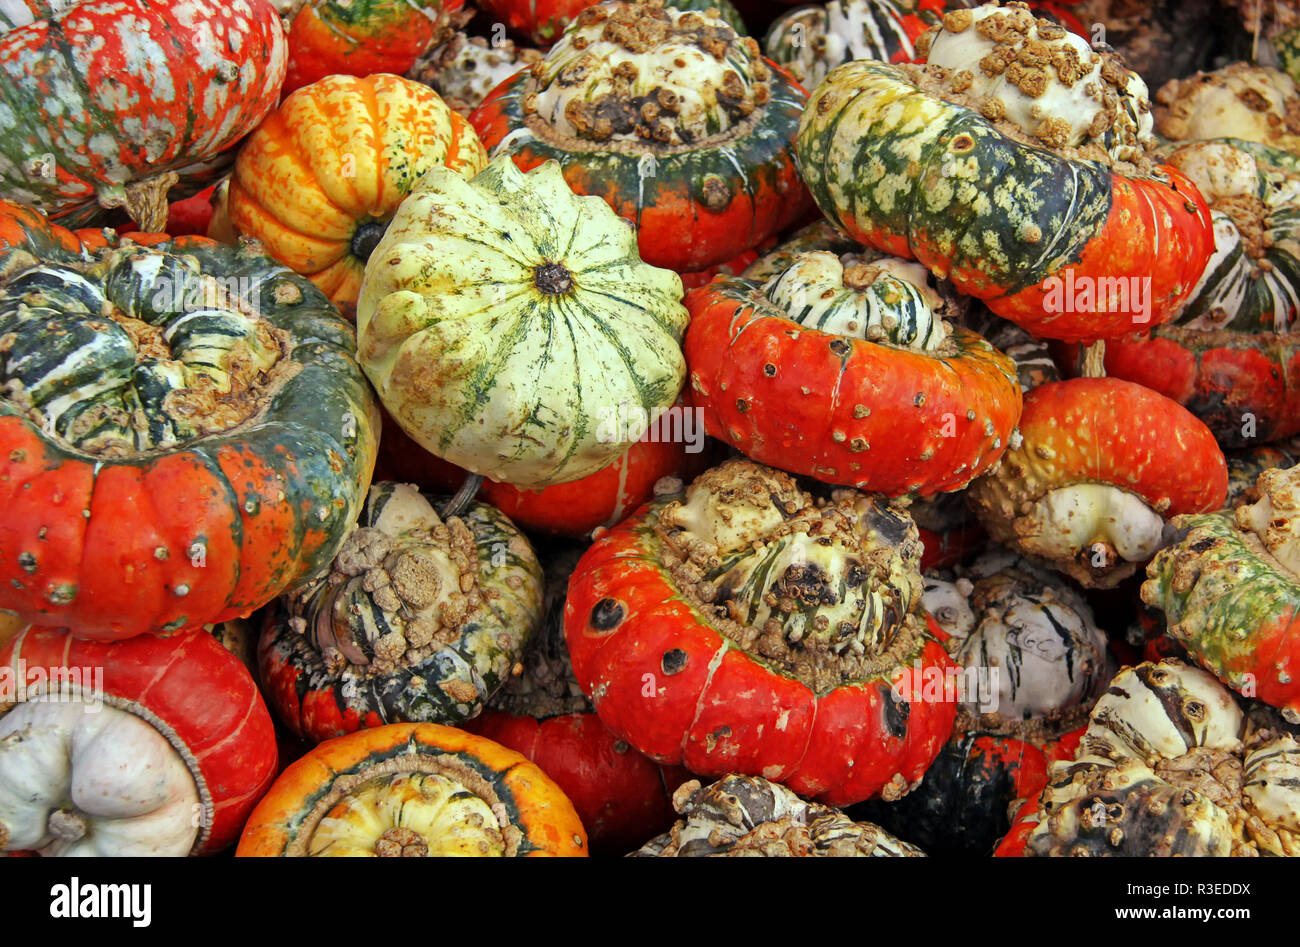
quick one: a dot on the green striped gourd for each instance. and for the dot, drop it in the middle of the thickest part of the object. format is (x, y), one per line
(503, 317)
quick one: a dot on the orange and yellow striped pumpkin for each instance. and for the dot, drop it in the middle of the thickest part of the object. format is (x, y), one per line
(318, 182)
(413, 789)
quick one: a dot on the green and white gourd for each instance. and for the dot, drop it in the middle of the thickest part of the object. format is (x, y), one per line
(421, 619)
(811, 41)
(124, 362)
(862, 296)
(1168, 766)
(499, 317)
(1249, 285)
(1031, 635)
(750, 816)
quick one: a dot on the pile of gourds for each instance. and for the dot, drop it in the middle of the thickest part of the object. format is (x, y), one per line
(566, 428)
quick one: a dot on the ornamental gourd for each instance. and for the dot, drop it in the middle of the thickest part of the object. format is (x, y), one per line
(319, 180)
(1229, 586)
(501, 316)
(116, 94)
(363, 37)
(1036, 196)
(1169, 766)
(1033, 663)
(1101, 465)
(466, 68)
(413, 790)
(1243, 101)
(672, 118)
(153, 746)
(420, 620)
(812, 40)
(748, 816)
(744, 627)
(1232, 356)
(844, 369)
(184, 431)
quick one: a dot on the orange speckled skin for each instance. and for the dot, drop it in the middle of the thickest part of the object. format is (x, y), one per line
(336, 155)
(724, 711)
(264, 505)
(534, 804)
(794, 397)
(1104, 430)
(197, 689)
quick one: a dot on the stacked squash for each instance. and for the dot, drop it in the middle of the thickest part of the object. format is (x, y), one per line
(571, 418)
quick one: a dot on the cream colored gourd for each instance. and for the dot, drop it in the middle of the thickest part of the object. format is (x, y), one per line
(89, 779)
(503, 318)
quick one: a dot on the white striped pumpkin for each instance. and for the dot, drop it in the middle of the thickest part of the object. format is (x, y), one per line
(1235, 291)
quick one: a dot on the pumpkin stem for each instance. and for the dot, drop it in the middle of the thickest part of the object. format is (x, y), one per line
(145, 201)
(553, 279)
(1094, 360)
(463, 497)
(366, 237)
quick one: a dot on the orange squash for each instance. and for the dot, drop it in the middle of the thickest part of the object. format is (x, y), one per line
(319, 180)
(413, 789)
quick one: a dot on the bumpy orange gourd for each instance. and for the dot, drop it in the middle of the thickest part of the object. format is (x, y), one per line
(318, 182)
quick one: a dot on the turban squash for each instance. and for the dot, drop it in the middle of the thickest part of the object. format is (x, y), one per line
(212, 450)
(669, 116)
(744, 627)
(114, 94)
(420, 619)
(844, 369)
(1101, 465)
(411, 789)
(1232, 355)
(165, 745)
(1056, 238)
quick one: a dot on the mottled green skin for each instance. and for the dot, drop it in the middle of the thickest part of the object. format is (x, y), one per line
(1226, 614)
(304, 458)
(752, 168)
(919, 177)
